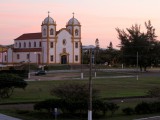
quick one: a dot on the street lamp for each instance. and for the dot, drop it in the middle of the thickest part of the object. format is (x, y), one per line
(90, 88)
(81, 62)
(137, 65)
(29, 76)
(36, 57)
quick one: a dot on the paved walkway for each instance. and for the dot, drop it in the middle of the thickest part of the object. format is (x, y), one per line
(5, 117)
(150, 118)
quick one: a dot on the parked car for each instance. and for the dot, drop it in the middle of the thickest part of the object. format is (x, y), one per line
(40, 72)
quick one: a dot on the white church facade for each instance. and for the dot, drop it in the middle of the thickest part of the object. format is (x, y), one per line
(48, 46)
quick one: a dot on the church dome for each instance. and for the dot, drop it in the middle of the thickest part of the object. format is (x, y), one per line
(48, 20)
(73, 21)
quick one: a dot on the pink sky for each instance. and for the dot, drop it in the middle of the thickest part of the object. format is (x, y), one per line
(98, 18)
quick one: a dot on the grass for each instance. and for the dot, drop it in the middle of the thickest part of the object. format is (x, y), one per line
(108, 87)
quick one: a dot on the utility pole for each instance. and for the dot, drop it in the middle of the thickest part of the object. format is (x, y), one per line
(90, 88)
(95, 55)
(29, 76)
(81, 62)
(137, 65)
(2, 56)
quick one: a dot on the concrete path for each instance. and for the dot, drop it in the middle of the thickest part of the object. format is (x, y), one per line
(5, 117)
(150, 118)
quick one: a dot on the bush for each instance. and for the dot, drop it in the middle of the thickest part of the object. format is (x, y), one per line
(48, 105)
(128, 111)
(155, 107)
(143, 108)
(154, 92)
(75, 107)
(113, 107)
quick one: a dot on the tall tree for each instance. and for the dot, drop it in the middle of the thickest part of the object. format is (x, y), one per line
(134, 42)
(110, 45)
(97, 43)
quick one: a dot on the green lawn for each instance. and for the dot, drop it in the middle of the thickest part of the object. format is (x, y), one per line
(108, 87)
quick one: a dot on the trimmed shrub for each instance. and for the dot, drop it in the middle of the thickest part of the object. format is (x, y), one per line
(128, 111)
(154, 92)
(113, 107)
(75, 107)
(143, 108)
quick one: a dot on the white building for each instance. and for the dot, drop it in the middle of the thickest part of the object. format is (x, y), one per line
(48, 46)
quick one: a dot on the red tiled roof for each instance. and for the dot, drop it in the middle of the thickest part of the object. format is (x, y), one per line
(27, 49)
(29, 36)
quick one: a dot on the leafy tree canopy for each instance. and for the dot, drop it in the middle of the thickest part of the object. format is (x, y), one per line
(8, 82)
(73, 92)
(134, 42)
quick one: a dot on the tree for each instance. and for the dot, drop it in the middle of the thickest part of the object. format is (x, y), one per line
(97, 43)
(134, 41)
(74, 96)
(8, 82)
(110, 46)
(73, 92)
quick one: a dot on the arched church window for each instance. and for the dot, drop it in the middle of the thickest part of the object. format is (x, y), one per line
(69, 31)
(24, 44)
(29, 44)
(34, 44)
(19, 45)
(51, 31)
(76, 44)
(76, 32)
(64, 41)
(44, 31)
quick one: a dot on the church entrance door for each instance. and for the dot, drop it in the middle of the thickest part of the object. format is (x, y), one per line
(64, 59)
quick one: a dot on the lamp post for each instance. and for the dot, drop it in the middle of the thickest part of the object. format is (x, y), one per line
(95, 53)
(90, 89)
(36, 57)
(137, 65)
(2, 56)
(29, 66)
(81, 63)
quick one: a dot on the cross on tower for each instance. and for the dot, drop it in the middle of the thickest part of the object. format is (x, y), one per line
(48, 13)
(73, 14)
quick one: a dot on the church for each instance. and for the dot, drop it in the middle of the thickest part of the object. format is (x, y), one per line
(50, 46)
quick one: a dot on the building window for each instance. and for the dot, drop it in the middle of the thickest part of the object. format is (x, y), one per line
(5, 57)
(44, 32)
(19, 45)
(28, 56)
(40, 44)
(29, 44)
(51, 57)
(69, 31)
(18, 56)
(34, 44)
(76, 57)
(51, 31)
(76, 32)
(64, 41)
(16, 44)
(76, 44)
(51, 44)
(24, 44)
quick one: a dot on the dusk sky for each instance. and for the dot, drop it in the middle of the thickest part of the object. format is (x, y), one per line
(98, 18)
